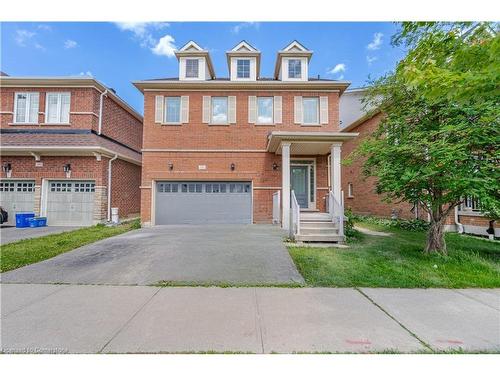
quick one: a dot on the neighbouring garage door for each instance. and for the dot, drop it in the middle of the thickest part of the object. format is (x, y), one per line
(203, 203)
(17, 196)
(70, 203)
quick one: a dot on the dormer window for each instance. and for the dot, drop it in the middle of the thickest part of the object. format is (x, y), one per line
(243, 68)
(294, 68)
(192, 68)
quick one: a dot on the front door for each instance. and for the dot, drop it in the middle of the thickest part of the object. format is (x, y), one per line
(300, 185)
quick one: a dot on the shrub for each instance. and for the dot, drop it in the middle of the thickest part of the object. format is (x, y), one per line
(413, 225)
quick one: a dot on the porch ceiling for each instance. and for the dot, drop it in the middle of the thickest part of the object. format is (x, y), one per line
(306, 143)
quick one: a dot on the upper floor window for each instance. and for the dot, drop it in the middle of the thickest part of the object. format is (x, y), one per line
(173, 110)
(219, 110)
(471, 203)
(243, 68)
(294, 68)
(57, 107)
(264, 110)
(192, 68)
(26, 107)
(310, 108)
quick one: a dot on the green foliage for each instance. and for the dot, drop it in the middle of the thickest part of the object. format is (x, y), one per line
(349, 230)
(414, 225)
(439, 137)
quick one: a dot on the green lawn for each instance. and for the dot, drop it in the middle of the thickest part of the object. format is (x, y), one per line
(398, 262)
(21, 253)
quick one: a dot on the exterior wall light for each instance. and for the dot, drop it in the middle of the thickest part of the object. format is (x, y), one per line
(170, 166)
(275, 166)
(67, 170)
(233, 166)
(7, 168)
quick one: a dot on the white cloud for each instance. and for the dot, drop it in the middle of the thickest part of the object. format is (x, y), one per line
(88, 73)
(44, 27)
(236, 29)
(165, 46)
(339, 68)
(40, 47)
(376, 42)
(143, 31)
(68, 44)
(23, 36)
(371, 59)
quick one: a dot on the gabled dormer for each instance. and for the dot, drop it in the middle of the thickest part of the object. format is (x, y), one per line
(292, 63)
(243, 62)
(194, 63)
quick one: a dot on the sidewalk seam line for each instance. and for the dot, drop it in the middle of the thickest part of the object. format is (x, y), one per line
(426, 345)
(475, 300)
(129, 320)
(35, 301)
(259, 321)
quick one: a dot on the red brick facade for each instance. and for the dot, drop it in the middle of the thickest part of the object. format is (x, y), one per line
(243, 143)
(120, 125)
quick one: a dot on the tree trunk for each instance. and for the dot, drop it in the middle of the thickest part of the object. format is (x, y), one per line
(435, 238)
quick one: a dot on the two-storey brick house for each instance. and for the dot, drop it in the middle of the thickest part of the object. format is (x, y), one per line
(219, 150)
(70, 150)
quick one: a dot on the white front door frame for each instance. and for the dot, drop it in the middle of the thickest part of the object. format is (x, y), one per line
(311, 162)
(335, 171)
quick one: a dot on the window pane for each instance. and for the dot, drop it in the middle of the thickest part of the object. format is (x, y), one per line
(52, 115)
(219, 110)
(265, 110)
(173, 112)
(192, 68)
(21, 103)
(65, 99)
(243, 68)
(294, 68)
(311, 113)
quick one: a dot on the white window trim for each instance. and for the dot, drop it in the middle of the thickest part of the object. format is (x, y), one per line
(186, 68)
(165, 122)
(27, 110)
(59, 104)
(350, 190)
(212, 110)
(317, 112)
(288, 70)
(257, 112)
(249, 69)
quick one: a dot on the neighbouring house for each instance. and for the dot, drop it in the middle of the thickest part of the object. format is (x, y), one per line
(244, 149)
(360, 195)
(70, 150)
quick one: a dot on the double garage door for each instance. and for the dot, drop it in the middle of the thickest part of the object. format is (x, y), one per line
(68, 203)
(196, 202)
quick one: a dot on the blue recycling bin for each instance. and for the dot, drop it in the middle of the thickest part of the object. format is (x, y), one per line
(22, 219)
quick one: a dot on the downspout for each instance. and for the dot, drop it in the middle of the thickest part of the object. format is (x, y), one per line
(101, 105)
(109, 185)
(457, 223)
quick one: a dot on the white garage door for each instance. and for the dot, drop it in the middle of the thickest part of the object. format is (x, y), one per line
(196, 202)
(17, 196)
(70, 203)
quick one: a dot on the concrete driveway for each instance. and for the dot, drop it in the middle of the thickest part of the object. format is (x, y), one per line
(11, 234)
(246, 254)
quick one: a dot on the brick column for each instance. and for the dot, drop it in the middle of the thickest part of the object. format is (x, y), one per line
(100, 203)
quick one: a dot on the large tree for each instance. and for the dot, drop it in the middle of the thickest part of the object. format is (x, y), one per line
(439, 137)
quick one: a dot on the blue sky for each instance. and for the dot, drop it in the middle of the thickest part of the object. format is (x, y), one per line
(118, 53)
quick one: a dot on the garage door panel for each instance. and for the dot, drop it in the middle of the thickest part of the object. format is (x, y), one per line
(203, 202)
(70, 203)
(17, 196)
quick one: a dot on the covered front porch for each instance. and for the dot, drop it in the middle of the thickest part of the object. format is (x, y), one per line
(299, 207)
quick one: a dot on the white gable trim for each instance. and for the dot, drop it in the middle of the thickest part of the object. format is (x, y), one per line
(243, 46)
(189, 46)
(295, 46)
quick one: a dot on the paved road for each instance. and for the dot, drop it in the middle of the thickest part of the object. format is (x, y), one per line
(246, 254)
(141, 319)
(11, 234)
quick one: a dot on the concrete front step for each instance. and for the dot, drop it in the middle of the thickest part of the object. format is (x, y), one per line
(307, 231)
(315, 217)
(318, 224)
(319, 238)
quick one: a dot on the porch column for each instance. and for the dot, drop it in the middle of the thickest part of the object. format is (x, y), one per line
(285, 184)
(335, 171)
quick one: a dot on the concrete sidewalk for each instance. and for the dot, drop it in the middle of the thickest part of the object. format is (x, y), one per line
(139, 319)
(10, 234)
